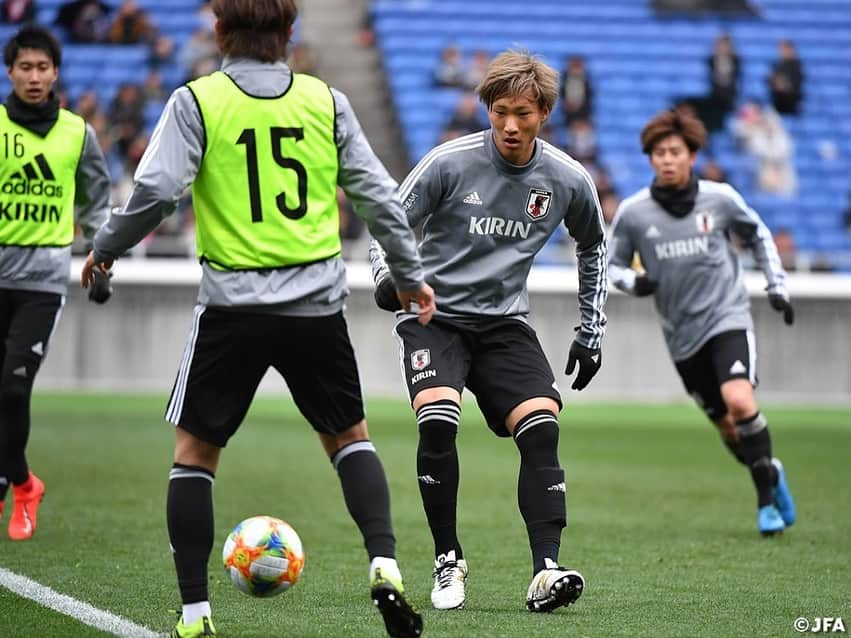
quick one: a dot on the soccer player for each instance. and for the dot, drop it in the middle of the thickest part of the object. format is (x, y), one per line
(264, 150)
(488, 202)
(682, 229)
(51, 168)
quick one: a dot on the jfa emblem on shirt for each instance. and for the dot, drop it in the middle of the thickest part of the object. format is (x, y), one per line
(538, 203)
(420, 359)
(705, 221)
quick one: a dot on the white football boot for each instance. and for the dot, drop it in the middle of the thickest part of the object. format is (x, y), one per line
(554, 587)
(450, 576)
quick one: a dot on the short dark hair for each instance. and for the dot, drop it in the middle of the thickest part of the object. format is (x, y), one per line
(673, 122)
(32, 37)
(258, 29)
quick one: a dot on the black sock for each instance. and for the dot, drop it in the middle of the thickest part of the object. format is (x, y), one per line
(733, 446)
(4, 487)
(189, 512)
(367, 496)
(540, 486)
(437, 472)
(755, 449)
(15, 423)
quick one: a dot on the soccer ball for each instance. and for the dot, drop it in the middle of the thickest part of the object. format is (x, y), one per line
(263, 556)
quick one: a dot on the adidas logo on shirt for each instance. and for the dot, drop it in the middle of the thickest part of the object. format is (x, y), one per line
(473, 198)
(652, 233)
(34, 178)
(738, 368)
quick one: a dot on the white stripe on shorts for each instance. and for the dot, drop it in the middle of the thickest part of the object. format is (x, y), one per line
(175, 404)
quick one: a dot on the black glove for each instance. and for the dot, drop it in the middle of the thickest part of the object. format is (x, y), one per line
(385, 295)
(589, 362)
(781, 304)
(644, 286)
(100, 290)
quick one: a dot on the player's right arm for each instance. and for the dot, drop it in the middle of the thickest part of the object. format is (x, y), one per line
(166, 170)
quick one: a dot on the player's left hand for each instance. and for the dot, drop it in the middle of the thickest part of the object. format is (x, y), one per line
(589, 363)
(781, 304)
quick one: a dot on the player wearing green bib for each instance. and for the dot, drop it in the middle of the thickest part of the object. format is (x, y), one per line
(264, 150)
(51, 167)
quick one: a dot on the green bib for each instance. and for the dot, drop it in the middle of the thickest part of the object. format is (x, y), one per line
(266, 192)
(37, 181)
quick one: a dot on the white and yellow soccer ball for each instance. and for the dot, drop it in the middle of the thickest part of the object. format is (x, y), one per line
(263, 556)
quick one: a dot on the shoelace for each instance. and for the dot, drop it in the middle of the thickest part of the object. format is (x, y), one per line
(445, 573)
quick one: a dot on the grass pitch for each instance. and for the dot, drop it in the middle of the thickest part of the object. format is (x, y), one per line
(662, 524)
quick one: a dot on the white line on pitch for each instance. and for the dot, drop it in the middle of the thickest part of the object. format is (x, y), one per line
(83, 612)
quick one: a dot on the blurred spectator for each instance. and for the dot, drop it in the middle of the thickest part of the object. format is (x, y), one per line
(366, 32)
(199, 55)
(576, 91)
(87, 106)
(126, 116)
(153, 89)
(84, 21)
(786, 80)
(466, 118)
(162, 51)
(786, 249)
(18, 11)
(476, 69)
(131, 25)
(302, 59)
(724, 72)
(761, 133)
(582, 141)
(712, 171)
(450, 69)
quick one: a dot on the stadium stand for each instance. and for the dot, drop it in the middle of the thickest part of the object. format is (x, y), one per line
(641, 63)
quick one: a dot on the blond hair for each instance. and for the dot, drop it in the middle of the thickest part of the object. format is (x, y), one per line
(515, 73)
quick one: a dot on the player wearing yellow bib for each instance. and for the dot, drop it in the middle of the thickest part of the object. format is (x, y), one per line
(264, 150)
(51, 166)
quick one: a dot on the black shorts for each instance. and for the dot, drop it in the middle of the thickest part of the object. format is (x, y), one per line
(228, 353)
(726, 356)
(27, 321)
(501, 363)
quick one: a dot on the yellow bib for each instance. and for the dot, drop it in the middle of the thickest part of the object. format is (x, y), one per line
(266, 192)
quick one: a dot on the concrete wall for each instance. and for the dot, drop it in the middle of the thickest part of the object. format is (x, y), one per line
(135, 341)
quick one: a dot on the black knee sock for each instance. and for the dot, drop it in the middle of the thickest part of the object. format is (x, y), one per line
(15, 422)
(540, 486)
(755, 449)
(189, 512)
(437, 472)
(367, 496)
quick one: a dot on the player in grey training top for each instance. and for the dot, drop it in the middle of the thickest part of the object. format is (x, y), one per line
(488, 202)
(682, 230)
